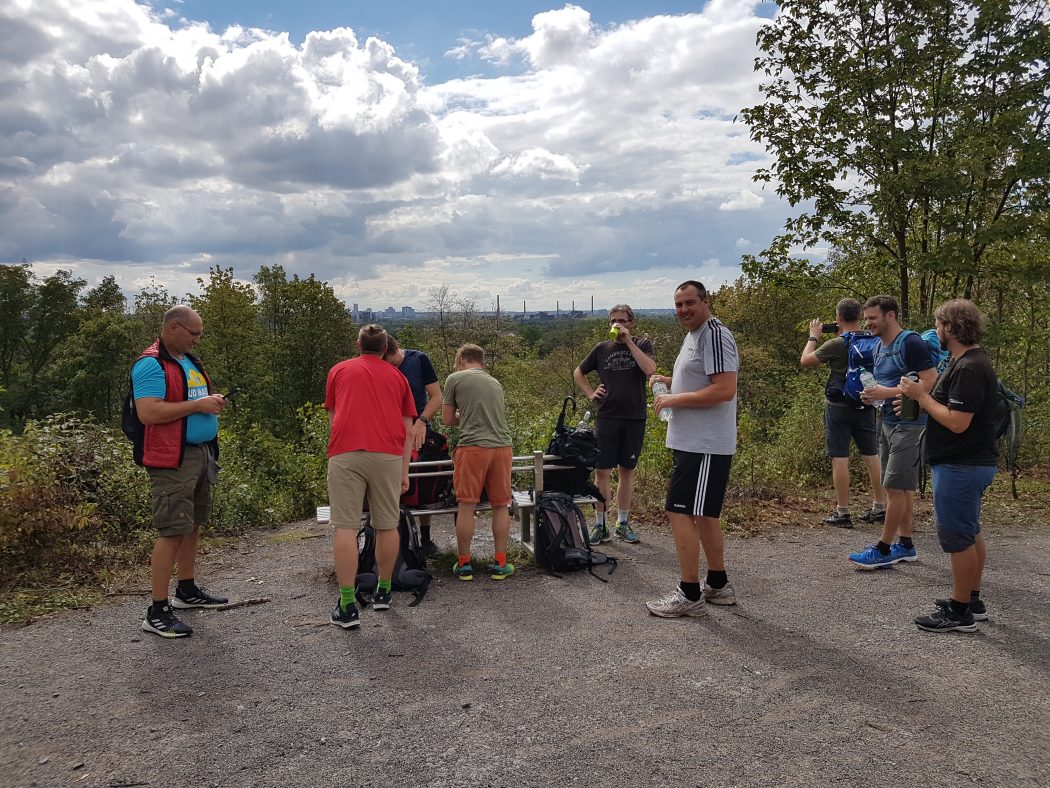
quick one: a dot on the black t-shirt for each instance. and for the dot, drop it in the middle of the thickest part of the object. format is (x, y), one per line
(623, 378)
(970, 385)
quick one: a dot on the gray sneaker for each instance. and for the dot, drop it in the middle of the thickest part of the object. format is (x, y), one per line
(600, 534)
(623, 530)
(676, 605)
(720, 596)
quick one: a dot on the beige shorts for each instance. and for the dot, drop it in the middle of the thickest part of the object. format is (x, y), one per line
(354, 475)
(181, 497)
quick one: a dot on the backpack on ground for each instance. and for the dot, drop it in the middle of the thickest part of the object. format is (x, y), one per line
(562, 543)
(860, 356)
(578, 448)
(431, 492)
(409, 569)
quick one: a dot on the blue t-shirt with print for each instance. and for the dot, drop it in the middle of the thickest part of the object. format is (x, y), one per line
(147, 378)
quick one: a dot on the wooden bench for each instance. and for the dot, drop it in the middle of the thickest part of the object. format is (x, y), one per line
(522, 503)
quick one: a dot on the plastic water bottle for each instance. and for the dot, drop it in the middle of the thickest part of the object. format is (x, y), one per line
(583, 422)
(660, 388)
(867, 380)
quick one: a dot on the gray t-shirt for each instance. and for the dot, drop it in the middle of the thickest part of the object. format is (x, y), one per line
(707, 351)
(482, 410)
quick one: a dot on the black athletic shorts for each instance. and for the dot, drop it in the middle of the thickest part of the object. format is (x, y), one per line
(619, 442)
(698, 484)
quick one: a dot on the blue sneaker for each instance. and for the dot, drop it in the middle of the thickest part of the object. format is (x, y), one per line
(901, 553)
(871, 558)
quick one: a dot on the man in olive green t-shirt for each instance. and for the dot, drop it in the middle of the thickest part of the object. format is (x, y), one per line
(473, 401)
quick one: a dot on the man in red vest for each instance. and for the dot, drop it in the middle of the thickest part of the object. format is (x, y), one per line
(179, 448)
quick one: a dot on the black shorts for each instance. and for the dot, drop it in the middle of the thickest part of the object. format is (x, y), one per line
(845, 422)
(619, 442)
(698, 484)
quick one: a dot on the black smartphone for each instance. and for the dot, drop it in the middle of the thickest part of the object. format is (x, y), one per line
(829, 328)
(232, 393)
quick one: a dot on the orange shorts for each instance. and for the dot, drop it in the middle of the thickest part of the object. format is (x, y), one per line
(479, 468)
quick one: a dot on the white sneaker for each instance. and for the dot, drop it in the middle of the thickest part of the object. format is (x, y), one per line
(676, 605)
(720, 596)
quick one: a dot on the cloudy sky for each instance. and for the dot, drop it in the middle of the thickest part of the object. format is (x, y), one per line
(537, 151)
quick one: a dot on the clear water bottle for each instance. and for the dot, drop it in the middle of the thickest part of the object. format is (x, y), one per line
(659, 388)
(867, 380)
(584, 422)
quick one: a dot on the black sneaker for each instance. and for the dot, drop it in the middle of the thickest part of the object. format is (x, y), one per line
(946, 621)
(839, 520)
(381, 599)
(164, 623)
(872, 516)
(199, 597)
(347, 619)
(980, 612)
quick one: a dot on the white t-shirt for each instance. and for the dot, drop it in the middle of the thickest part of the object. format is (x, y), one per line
(707, 351)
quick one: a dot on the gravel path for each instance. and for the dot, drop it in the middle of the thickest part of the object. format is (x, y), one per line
(817, 677)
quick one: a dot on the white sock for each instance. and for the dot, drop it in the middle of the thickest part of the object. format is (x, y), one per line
(599, 518)
(876, 506)
(622, 516)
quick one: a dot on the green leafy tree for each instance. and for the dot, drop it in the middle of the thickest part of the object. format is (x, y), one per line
(915, 131)
(16, 294)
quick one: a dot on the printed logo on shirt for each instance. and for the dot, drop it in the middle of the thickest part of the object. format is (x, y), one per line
(198, 385)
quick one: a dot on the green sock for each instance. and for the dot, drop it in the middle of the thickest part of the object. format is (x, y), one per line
(384, 585)
(346, 596)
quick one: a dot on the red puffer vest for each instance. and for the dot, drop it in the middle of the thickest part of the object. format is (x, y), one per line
(163, 444)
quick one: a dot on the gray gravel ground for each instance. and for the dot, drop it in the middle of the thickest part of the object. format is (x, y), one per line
(817, 677)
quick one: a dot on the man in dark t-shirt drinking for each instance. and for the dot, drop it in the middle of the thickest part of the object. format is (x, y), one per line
(962, 452)
(623, 365)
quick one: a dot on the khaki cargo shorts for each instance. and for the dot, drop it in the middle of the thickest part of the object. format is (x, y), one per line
(181, 497)
(355, 475)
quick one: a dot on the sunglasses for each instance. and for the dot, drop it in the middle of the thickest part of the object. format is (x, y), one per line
(188, 331)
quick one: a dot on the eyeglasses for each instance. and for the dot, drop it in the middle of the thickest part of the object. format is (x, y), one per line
(188, 331)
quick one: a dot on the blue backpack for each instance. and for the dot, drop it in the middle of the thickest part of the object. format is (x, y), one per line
(860, 356)
(938, 358)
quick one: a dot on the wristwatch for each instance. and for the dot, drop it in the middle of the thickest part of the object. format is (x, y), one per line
(813, 339)
(424, 419)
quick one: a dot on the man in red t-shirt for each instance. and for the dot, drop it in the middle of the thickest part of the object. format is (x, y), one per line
(370, 410)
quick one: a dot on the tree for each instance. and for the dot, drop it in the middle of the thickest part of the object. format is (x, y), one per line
(916, 130)
(234, 344)
(106, 296)
(16, 293)
(52, 316)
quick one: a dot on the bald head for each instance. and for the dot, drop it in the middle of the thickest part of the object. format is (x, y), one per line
(181, 330)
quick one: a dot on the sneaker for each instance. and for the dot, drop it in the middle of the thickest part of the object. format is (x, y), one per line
(720, 596)
(873, 516)
(347, 619)
(871, 558)
(839, 520)
(600, 534)
(381, 599)
(199, 597)
(676, 605)
(623, 530)
(497, 572)
(901, 553)
(430, 549)
(977, 608)
(946, 621)
(465, 572)
(164, 623)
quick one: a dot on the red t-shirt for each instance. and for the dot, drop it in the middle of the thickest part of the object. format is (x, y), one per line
(369, 398)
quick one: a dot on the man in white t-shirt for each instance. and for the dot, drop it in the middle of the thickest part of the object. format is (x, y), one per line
(702, 434)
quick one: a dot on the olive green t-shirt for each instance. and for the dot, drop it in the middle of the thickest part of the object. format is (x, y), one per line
(834, 354)
(482, 409)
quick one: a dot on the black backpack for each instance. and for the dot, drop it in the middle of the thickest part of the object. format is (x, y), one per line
(409, 570)
(431, 492)
(1008, 427)
(562, 544)
(133, 429)
(577, 447)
